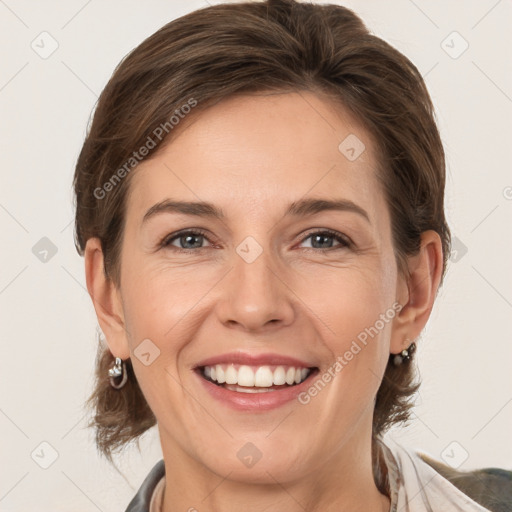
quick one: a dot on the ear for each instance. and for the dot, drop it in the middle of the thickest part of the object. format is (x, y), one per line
(417, 291)
(106, 300)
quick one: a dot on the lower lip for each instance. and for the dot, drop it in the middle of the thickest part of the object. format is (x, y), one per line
(263, 401)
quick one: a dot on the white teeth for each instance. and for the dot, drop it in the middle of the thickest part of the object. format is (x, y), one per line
(231, 375)
(279, 376)
(234, 387)
(263, 377)
(245, 377)
(260, 376)
(221, 377)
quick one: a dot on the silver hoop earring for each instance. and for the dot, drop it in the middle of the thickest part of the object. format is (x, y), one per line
(405, 355)
(118, 370)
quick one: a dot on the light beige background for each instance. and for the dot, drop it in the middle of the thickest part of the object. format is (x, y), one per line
(47, 320)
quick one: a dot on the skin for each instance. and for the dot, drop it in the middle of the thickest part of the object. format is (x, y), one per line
(252, 156)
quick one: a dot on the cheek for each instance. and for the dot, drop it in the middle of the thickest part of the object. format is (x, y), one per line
(157, 307)
(157, 298)
(358, 307)
(349, 300)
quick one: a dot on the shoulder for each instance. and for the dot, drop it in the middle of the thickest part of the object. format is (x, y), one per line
(417, 479)
(141, 501)
(490, 487)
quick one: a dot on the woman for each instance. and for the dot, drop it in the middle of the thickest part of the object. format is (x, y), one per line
(260, 207)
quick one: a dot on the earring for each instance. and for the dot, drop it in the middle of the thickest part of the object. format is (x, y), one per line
(405, 355)
(118, 370)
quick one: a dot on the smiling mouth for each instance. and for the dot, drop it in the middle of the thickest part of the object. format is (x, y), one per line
(255, 379)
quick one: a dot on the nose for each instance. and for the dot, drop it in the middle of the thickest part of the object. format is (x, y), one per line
(255, 296)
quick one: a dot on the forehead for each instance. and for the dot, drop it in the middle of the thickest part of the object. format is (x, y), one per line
(254, 153)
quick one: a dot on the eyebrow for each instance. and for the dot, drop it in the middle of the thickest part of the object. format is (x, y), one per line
(301, 208)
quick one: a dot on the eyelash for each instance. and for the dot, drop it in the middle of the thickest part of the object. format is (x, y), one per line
(346, 243)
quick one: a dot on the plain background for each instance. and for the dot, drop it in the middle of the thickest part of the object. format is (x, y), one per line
(464, 409)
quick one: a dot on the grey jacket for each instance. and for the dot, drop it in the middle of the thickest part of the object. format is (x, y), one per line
(141, 501)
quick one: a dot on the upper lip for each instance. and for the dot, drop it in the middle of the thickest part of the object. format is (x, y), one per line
(254, 360)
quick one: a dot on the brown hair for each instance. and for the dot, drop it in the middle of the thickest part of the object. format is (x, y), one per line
(228, 49)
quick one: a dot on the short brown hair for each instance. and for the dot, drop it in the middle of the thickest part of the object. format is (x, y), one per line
(275, 45)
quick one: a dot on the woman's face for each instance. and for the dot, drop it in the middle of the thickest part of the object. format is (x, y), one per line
(259, 288)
